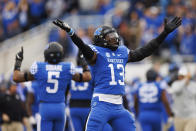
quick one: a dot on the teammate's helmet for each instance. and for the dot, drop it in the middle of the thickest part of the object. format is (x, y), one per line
(53, 54)
(151, 75)
(106, 37)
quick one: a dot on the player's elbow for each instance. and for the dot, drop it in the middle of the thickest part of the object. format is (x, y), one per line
(15, 77)
(87, 76)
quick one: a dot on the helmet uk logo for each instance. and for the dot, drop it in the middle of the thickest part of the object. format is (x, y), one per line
(107, 54)
(98, 31)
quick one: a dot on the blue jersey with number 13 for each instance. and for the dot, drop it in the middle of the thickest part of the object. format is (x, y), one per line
(109, 70)
(81, 90)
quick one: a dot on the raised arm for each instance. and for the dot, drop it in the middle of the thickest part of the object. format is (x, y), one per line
(88, 53)
(86, 75)
(19, 76)
(153, 45)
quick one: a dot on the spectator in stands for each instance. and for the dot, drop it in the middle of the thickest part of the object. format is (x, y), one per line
(16, 1)
(82, 34)
(13, 111)
(134, 25)
(10, 19)
(149, 25)
(74, 5)
(85, 6)
(55, 8)
(23, 8)
(104, 5)
(37, 12)
(90, 31)
(170, 10)
(117, 17)
(187, 45)
(183, 92)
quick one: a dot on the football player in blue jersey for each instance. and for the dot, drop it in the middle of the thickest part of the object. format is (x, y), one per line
(148, 103)
(80, 99)
(108, 60)
(53, 75)
(32, 103)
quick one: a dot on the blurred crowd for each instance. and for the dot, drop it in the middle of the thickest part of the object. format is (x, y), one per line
(140, 21)
(137, 21)
(17, 16)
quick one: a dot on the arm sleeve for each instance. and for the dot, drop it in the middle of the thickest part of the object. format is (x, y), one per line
(177, 87)
(86, 50)
(148, 49)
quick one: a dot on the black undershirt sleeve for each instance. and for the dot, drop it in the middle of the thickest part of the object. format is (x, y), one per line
(86, 50)
(148, 49)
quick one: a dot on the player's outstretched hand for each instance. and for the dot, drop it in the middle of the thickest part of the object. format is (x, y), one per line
(19, 55)
(62, 25)
(170, 26)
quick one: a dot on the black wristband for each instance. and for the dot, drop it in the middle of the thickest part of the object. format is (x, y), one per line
(172, 114)
(86, 69)
(81, 77)
(26, 76)
(17, 65)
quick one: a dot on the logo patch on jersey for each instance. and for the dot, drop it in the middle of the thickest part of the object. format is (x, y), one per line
(118, 54)
(107, 54)
(113, 54)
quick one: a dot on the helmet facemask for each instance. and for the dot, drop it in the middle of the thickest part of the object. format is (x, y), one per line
(112, 40)
(106, 37)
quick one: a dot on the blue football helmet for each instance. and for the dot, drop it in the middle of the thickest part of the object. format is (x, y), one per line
(107, 37)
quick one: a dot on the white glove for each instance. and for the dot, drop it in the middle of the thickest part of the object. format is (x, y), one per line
(170, 121)
(32, 120)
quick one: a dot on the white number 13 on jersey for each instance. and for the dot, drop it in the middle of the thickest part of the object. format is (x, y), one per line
(53, 81)
(113, 81)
